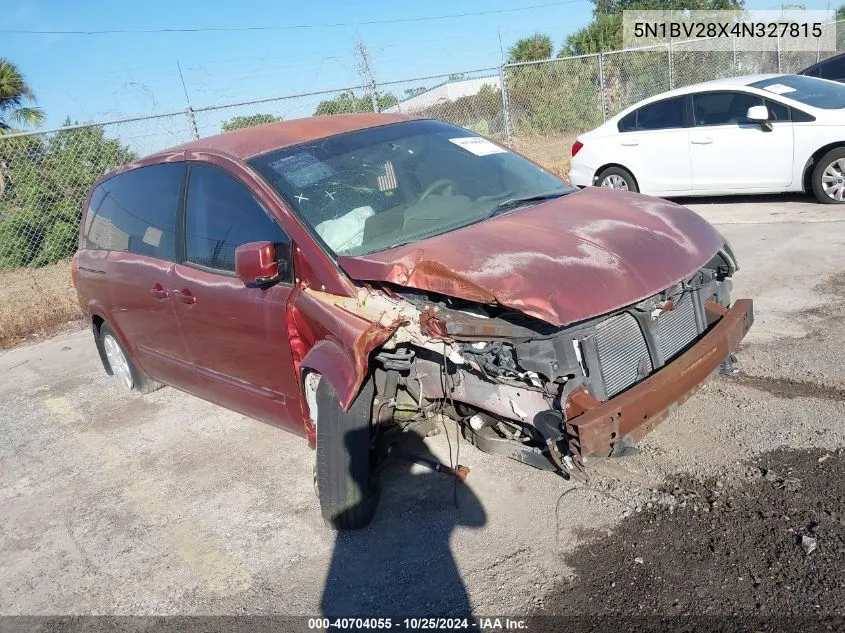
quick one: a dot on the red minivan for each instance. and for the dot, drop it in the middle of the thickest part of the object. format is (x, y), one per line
(352, 277)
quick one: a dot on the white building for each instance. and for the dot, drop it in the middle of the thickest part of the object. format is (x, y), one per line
(448, 91)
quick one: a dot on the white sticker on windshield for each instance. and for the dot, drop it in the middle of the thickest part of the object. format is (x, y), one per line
(778, 89)
(152, 236)
(478, 146)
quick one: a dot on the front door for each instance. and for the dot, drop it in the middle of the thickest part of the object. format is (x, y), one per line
(727, 151)
(236, 335)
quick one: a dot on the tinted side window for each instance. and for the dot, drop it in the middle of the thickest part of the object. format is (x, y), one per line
(136, 212)
(661, 115)
(833, 68)
(221, 214)
(722, 108)
(777, 111)
(628, 123)
(799, 116)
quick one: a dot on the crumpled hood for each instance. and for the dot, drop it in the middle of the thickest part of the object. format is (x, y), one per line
(563, 261)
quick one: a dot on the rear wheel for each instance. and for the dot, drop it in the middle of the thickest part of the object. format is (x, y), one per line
(829, 177)
(344, 474)
(617, 178)
(122, 368)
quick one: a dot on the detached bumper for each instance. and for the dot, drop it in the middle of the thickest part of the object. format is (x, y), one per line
(594, 426)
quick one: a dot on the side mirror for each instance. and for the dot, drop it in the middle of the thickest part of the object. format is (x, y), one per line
(257, 263)
(758, 114)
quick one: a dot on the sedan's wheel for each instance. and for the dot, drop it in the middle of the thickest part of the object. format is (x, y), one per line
(128, 375)
(829, 177)
(617, 178)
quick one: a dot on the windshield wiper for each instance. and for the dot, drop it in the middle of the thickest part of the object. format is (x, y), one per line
(514, 203)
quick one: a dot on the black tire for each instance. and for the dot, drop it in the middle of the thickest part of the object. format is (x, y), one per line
(345, 481)
(141, 383)
(818, 171)
(624, 174)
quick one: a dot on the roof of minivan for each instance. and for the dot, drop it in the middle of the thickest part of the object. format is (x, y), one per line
(252, 141)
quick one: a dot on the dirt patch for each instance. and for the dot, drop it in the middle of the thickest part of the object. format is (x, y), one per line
(552, 152)
(789, 388)
(769, 547)
(36, 301)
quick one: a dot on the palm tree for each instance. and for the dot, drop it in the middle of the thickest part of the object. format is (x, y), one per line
(14, 94)
(530, 49)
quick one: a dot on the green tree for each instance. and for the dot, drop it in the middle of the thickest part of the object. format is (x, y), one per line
(413, 92)
(15, 93)
(840, 13)
(347, 102)
(604, 33)
(250, 120)
(616, 7)
(41, 205)
(529, 49)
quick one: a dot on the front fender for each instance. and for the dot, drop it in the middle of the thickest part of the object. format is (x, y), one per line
(334, 364)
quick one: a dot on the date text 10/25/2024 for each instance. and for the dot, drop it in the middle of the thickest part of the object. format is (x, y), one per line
(419, 624)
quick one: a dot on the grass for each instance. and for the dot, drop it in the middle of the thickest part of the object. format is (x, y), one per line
(40, 301)
(35, 301)
(552, 152)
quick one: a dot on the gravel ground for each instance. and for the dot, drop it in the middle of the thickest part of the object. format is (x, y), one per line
(165, 504)
(766, 547)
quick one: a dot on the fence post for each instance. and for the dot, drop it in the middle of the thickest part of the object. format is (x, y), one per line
(373, 95)
(671, 73)
(735, 67)
(601, 87)
(192, 122)
(777, 41)
(506, 115)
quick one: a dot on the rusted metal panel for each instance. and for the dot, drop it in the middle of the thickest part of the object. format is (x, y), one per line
(638, 410)
(563, 261)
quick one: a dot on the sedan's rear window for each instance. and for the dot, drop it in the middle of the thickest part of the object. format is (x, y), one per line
(818, 93)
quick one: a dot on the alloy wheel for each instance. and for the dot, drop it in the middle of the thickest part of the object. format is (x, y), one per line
(833, 180)
(614, 181)
(118, 362)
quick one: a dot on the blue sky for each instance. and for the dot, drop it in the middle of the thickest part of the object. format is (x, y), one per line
(94, 77)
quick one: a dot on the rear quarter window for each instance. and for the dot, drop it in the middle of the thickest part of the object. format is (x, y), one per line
(136, 212)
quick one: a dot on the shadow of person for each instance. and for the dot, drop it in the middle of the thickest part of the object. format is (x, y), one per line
(401, 565)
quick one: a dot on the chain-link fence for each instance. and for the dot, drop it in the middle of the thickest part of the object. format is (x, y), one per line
(537, 107)
(550, 102)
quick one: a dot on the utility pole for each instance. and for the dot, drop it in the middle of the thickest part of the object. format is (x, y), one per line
(189, 111)
(364, 66)
(182, 78)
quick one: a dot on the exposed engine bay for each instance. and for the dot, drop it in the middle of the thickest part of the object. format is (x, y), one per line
(514, 382)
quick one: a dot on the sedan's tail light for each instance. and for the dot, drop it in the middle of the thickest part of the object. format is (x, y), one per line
(576, 147)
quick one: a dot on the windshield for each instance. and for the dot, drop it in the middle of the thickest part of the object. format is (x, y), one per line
(819, 93)
(372, 189)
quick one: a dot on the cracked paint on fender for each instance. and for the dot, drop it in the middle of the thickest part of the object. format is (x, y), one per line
(563, 261)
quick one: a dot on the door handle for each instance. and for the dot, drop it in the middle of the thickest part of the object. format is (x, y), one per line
(629, 143)
(185, 296)
(704, 140)
(159, 292)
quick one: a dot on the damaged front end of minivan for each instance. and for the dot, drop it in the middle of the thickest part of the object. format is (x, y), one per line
(546, 395)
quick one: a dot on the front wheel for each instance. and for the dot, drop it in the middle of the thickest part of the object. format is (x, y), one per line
(617, 178)
(122, 368)
(829, 177)
(344, 473)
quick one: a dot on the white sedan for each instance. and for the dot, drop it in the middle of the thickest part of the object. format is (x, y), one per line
(754, 134)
